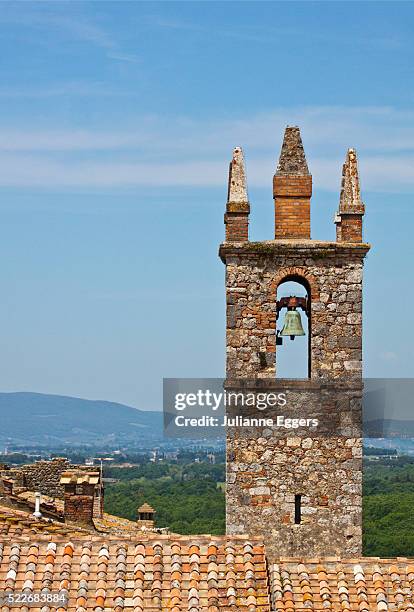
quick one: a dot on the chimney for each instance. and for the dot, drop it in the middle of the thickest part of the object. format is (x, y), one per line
(292, 189)
(79, 495)
(37, 514)
(146, 517)
(351, 208)
(236, 218)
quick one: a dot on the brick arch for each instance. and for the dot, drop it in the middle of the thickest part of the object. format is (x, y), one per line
(310, 282)
(296, 274)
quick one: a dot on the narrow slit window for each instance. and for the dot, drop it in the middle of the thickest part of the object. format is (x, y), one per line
(298, 509)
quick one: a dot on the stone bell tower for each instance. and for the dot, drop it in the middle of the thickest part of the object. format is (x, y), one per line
(299, 488)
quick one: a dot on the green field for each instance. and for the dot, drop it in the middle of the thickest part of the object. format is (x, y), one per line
(188, 498)
(389, 507)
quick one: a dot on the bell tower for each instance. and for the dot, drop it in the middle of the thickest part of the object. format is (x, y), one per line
(300, 488)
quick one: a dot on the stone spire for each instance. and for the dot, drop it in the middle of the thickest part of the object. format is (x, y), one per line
(350, 199)
(237, 188)
(292, 189)
(292, 158)
(351, 208)
(236, 218)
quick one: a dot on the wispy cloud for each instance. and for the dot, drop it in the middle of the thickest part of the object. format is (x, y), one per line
(71, 140)
(58, 19)
(125, 57)
(31, 171)
(388, 356)
(79, 28)
(266, 34)
(72, 25)
(324, 129)
(71, 88)
(170, 151)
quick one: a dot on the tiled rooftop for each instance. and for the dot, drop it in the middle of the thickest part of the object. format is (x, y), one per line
(47, 502)
(111, 565)
(116, 524)
(199, 573)
(22, 524)
(125, 569)
(354, 584)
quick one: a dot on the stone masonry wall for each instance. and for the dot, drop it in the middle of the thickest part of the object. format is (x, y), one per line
(268, 466)
(334, 277)
(42, 476)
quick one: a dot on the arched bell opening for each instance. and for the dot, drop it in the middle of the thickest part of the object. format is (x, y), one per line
(293, 328)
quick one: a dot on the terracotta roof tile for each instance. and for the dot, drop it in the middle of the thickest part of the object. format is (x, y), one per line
(185, 573)
(358, 585)
(16, 523)
(148, 572)
(146, 508)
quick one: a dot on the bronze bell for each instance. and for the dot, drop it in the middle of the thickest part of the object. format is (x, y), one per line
(293, 325)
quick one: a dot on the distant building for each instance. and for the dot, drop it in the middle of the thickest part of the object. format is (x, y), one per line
(146, 517)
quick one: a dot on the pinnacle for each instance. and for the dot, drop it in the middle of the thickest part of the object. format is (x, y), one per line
(350, 198)
(237, 188)
(292, 158)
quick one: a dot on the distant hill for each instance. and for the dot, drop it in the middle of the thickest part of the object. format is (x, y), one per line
(389, 428)
(55, 420)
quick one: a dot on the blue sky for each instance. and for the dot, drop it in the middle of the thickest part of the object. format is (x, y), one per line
(117, 124)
